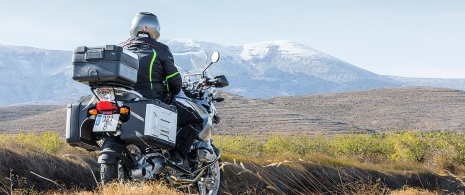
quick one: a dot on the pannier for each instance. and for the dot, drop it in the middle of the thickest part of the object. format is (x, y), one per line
(107, 65)
(79, 127)
(151, 122)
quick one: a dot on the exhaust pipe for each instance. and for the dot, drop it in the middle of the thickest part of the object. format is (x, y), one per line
(187, 181)
(147, 170)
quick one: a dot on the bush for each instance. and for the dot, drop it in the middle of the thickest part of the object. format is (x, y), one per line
(363, 147)
(439, 149)
(49, 142)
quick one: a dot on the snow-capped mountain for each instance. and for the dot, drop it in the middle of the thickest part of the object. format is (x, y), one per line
(295, 69)
(265, 69)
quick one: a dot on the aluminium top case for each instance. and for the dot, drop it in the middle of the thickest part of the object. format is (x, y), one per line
(106, 65)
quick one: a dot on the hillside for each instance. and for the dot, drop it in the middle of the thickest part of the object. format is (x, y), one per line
(405, 108)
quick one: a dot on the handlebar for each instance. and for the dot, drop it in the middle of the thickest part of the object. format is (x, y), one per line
(212, 81)
(218, 81)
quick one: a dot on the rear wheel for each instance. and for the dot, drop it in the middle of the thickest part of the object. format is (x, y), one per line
(112, 171)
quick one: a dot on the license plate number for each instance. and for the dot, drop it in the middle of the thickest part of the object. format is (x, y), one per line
(106, 123)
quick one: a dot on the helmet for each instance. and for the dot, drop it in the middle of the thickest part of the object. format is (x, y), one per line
(145, 23)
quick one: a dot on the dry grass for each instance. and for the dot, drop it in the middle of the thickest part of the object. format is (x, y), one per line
(133, 189)
(49, 166)
(301, 177)
(416, 191)
(36, 162)
(45, 164)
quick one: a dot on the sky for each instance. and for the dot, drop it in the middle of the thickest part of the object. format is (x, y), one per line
(411, 38)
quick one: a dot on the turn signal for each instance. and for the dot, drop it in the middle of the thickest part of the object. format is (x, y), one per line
(93, 111)
(123, 110)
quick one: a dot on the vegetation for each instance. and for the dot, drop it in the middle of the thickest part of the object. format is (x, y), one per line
(349, 163)
(438, 149)
(42, 162)
(397, 162)
(48, 142)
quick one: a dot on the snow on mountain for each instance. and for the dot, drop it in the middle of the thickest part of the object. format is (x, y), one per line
(265, 69)
(294, 58)
(190, 54)
(304, 70)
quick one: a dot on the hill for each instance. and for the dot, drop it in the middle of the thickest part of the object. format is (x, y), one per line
(404, 108)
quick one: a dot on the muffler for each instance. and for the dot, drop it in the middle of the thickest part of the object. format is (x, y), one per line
(147, 169)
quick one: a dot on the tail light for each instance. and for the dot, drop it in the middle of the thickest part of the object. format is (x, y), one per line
(106, 106)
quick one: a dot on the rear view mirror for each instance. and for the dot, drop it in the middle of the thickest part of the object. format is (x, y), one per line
(215, 57)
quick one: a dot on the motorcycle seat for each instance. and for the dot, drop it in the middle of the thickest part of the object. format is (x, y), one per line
(126, 97)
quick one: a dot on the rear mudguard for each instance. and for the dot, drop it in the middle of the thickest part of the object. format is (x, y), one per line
(112, 149)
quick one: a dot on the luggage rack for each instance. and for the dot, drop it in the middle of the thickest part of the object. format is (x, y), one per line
(130, 94)
(94, 85)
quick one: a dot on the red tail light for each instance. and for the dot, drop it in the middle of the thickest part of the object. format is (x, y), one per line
(106, 106)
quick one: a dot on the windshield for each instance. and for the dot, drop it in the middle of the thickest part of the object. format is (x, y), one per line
(190, 61)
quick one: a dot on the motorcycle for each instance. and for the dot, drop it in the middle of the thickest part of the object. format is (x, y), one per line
(134, 134)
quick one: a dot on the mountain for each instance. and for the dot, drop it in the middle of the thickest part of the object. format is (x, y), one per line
(295, 69)
(31, 74)
(259, 70)
(278, 68)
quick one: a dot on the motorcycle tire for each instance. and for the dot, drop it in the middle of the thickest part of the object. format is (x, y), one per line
(213, 179)
(112, 171)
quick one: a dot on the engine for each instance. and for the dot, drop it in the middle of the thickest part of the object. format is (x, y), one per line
(204, 152)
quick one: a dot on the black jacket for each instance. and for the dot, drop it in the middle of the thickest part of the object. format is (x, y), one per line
(157, 78)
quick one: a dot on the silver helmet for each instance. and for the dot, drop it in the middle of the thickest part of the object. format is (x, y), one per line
(145, 23)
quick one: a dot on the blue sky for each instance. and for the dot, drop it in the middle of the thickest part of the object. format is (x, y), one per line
(416, 38)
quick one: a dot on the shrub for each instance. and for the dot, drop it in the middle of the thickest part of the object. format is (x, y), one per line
(49, 142)
(439, 149)
(363, 147)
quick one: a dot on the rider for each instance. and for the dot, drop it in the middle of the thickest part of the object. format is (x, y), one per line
(158, 78)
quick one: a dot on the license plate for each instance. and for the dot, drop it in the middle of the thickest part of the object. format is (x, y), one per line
(106, 123)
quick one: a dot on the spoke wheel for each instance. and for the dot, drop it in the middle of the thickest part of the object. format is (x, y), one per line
(210, 182)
